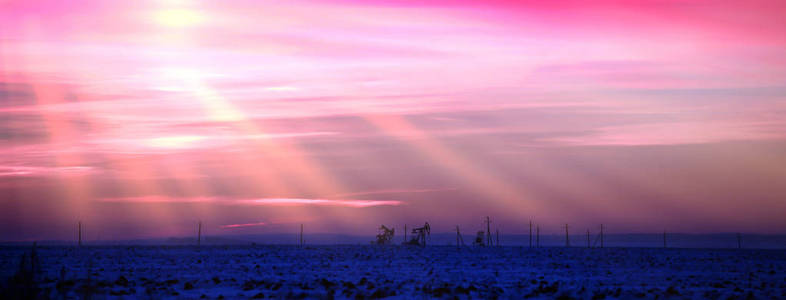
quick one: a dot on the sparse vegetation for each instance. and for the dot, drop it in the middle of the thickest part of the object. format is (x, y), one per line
(154, 272)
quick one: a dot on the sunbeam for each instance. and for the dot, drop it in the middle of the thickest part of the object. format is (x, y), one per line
(238, 112)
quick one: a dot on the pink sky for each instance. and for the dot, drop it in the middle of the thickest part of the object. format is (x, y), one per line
(141, 118)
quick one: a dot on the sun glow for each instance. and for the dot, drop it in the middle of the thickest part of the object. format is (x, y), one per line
(441, 111)
(174, 142)
(178, 17)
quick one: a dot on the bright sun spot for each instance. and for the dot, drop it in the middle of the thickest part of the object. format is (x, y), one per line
(181, 76)
(178, 17)
(182, 141)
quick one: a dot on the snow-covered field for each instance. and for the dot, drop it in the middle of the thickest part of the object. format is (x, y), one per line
(395, 271)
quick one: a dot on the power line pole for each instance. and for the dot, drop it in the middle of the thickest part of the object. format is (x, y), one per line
(199, 234)
(459, 239)
(80, 233)
(497, 237)
(537, 236)
(405, 233)
(567, 239)
(601, 235)
(301, 235)
(488, 231)
(530, 233)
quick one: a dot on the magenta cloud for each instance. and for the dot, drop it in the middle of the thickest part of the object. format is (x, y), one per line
(237, 110)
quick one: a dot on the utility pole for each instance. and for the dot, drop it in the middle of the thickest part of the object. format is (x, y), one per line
(459, 239)
(488, 231)
(199, 234)
(567, 239)
(664, 238)
(588, 246)
(497, 237)
(405, 233)
(80, 233)
(530, 233)
(601, 235)
(301, 234)
(537, 236)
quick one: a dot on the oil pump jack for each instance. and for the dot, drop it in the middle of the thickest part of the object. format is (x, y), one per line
(385, 235)
(480, 239)
(484, 235)
(419, 235)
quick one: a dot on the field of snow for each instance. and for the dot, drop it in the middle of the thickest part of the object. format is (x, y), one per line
(156, 272)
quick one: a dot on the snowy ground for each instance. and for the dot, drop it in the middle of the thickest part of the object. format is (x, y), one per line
(396, 271)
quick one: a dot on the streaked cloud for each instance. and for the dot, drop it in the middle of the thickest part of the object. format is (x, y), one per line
(326, 202)
(259, 201)
(394, 191)
(229, 226)
(451, 106)
(24, 171)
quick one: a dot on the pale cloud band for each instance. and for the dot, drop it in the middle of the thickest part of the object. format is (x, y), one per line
(259, 201)
(605, 109)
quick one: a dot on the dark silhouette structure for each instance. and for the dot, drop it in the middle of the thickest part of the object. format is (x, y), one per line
(420, 234)
(537, 236)
(601, 235)
(480, 239)
(385, 235)
(24, 284)
(664, 238)
(488, 231)
(598, 238)
(459, 239)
